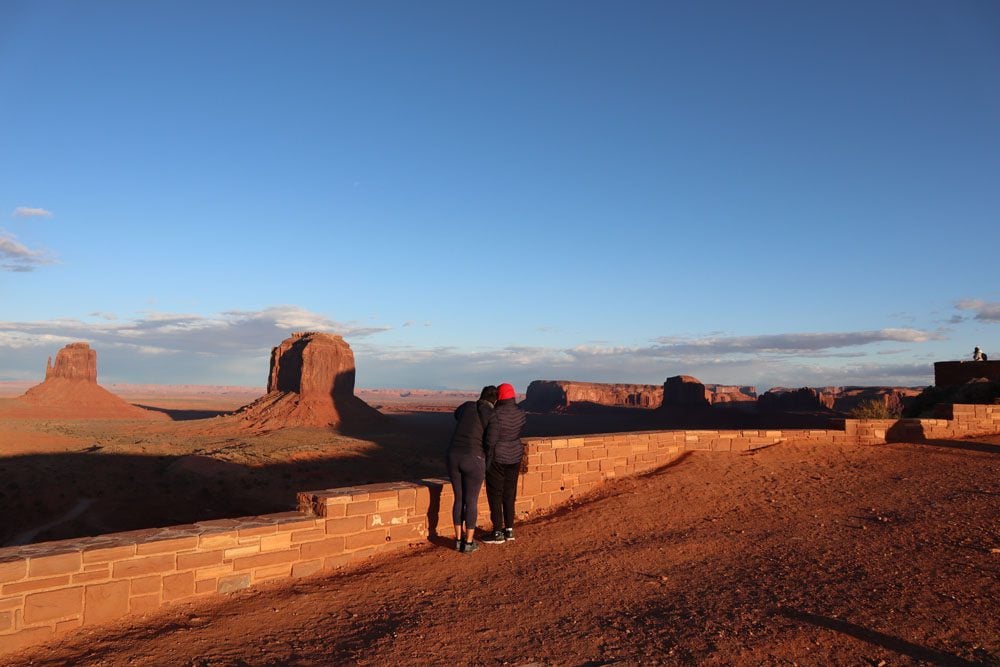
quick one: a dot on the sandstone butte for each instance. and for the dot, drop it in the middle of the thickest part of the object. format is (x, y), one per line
(70, 391)
(310, 383)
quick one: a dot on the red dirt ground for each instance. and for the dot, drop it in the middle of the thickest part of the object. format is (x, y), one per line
(795, 554)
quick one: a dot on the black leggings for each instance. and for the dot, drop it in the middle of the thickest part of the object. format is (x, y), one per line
(501, 491)
(467, 469)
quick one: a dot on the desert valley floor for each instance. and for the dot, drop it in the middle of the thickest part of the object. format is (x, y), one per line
(793, 554)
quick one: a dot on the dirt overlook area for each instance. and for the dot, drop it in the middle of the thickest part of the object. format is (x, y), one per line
(794, 554)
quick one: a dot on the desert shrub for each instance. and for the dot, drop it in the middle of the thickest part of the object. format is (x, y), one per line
(875, 410)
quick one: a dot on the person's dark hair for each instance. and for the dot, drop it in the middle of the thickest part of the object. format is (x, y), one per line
(489, 393)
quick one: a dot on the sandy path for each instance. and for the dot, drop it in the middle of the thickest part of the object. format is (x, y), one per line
(796, 554)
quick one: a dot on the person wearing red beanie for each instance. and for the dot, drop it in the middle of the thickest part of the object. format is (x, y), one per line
(506, 391)
(504, 465)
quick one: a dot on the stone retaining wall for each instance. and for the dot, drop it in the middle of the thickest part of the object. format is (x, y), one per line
(955, 373)
(50, 588)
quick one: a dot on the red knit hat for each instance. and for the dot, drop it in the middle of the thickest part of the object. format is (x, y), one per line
(506, 391)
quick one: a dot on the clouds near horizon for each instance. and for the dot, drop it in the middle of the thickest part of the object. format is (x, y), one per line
(233, 347)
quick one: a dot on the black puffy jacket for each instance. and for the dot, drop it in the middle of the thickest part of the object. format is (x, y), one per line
(476, 429)
(510, 422)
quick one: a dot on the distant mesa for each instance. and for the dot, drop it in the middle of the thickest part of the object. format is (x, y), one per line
(846, 399)
(311, 383)
(804, 399)
(70, 391)
(569, 396)
(731, 394)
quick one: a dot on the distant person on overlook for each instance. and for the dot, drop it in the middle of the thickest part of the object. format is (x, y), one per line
(474, 437)
(978, 355)
(504, 465)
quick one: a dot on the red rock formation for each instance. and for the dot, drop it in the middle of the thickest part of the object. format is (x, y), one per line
(311, 383)
(70, 391)
(894, 398)
(684, 391)
(805, 399)
(719, 393)
(76, 361)
(567, 395)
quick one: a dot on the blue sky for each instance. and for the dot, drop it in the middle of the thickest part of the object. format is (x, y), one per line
(771, 193)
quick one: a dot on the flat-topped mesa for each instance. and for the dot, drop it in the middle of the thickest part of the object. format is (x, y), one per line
(76, 361)
(567, 395)
(310, 383)
(684, 391)
(70, 391)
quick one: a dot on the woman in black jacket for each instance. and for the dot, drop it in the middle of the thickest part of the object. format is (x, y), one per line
(474, 437)
(504, 465)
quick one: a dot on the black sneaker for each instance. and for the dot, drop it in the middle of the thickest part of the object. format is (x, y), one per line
(496, 537)
(458, 546)
(470, 547)
(508, 534)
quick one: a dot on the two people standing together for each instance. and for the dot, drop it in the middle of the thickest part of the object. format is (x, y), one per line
(486, 446)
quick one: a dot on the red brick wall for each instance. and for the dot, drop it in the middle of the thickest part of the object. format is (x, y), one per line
(50, 588)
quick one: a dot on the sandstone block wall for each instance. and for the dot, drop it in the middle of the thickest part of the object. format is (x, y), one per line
(51, 588)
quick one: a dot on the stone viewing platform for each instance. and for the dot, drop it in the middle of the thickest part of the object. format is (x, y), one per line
(956, 373)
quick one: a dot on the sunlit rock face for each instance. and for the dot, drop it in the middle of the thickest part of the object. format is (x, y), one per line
(310, 383)
(76, 361)
(70, 391)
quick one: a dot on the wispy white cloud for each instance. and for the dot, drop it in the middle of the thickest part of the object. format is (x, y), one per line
(31, 212)
(985, 311)
(15, 256)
